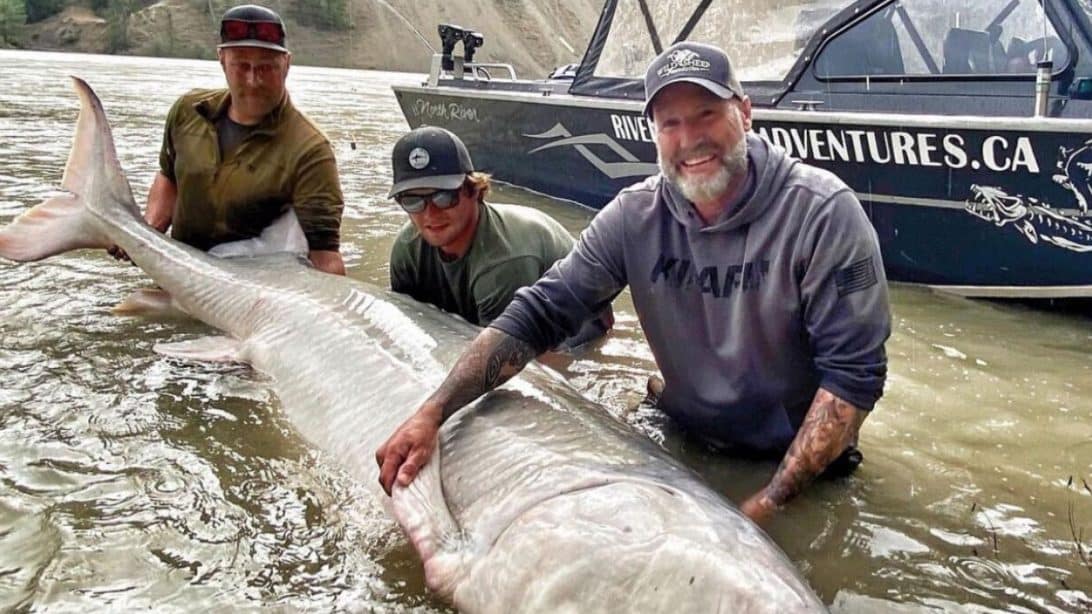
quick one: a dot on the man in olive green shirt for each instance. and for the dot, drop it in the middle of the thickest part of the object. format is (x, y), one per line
(458, 252)
(234, 160)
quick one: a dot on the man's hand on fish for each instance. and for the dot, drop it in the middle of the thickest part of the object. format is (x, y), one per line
(490, 360)
(759, 508)
(409, 447)
(118, 253)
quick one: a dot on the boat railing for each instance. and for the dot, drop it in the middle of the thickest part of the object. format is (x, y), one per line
(461, 69)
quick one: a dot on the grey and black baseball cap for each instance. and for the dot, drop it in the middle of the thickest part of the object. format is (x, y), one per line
(250, 25)
(429, 157)
(696, 63)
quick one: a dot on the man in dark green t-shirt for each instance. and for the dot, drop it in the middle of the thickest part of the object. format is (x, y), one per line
(458, 252)
(234, 160)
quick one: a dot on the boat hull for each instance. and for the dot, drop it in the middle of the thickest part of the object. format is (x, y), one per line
(990, 207)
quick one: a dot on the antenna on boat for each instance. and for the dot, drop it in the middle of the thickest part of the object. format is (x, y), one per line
(1043, 70)
(1048, 53)
(408, 24)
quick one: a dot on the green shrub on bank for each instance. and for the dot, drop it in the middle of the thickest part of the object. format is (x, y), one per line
(13, 16)
(322, 14)
(37, 10)
(117, 14)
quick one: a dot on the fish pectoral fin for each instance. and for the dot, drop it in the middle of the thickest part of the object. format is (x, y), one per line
(422, 512)
(149, 302)
(284, 235)
(204, 349)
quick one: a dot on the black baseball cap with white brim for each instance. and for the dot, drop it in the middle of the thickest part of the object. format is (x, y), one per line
(689, 62)
(429, 157)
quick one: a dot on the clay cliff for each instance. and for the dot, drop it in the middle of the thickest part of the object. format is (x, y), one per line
(389, 35)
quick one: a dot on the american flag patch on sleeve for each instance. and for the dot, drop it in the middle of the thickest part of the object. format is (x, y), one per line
(858, 276)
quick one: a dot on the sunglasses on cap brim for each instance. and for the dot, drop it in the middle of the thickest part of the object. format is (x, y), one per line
(232, 30)
(416, 203)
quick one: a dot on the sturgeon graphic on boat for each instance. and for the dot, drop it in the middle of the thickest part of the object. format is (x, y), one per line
(1031, 218)
(1037, 220)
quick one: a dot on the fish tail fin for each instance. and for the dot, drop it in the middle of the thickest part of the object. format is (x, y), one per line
(54, 226)
(95, 186)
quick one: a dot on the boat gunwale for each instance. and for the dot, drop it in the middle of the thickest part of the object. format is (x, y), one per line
(887, 119)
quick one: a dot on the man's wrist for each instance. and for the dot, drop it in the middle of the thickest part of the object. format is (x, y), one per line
(766, 501)
(159, 225)
(434, 412)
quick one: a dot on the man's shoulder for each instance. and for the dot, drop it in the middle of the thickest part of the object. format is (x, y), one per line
(198, 95)
(633, 202)
(642, 193)
(525, 217)
(818, 194)
(301, 126)
(526, 230)
(513, 237)
(185, 106)
(643, 189)
(817, 182)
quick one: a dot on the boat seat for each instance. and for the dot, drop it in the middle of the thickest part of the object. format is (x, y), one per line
(870, 47)
(974, 52)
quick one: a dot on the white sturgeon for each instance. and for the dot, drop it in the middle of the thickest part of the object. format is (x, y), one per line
(539, 500)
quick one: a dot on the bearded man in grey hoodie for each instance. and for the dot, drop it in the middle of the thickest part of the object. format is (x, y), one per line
(757, 280)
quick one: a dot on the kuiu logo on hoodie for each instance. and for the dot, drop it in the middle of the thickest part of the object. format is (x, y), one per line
(718, 280)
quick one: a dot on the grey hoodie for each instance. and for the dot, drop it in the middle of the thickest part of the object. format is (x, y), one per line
(746, 317)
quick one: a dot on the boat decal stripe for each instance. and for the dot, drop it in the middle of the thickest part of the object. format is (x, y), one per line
(909, 200)
(1040, 292)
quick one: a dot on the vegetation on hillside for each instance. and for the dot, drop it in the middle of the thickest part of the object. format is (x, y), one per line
(322, 14)
(14, 14)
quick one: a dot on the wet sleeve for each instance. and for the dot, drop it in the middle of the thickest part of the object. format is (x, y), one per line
(317, 198)
(574, 289)
(167, 153)
(844, 295)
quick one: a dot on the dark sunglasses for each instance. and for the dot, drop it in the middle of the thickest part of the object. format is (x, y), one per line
(415, 203)
(233, 30)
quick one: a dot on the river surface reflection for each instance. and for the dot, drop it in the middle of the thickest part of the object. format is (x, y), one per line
(130, 481)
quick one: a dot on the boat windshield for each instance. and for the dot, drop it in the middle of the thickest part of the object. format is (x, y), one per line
(1084, 9)
(763, 37)
(941, 37)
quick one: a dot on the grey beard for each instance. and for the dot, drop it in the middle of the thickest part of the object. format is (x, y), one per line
(696, 190)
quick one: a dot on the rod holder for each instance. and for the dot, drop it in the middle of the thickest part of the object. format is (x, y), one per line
(1043, 70)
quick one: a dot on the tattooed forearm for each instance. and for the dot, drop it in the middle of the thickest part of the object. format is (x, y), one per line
(492, 358)
(830, 426)
(509, 358)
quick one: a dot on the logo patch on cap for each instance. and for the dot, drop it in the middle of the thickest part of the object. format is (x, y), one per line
(419, 158)
(683, 60)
